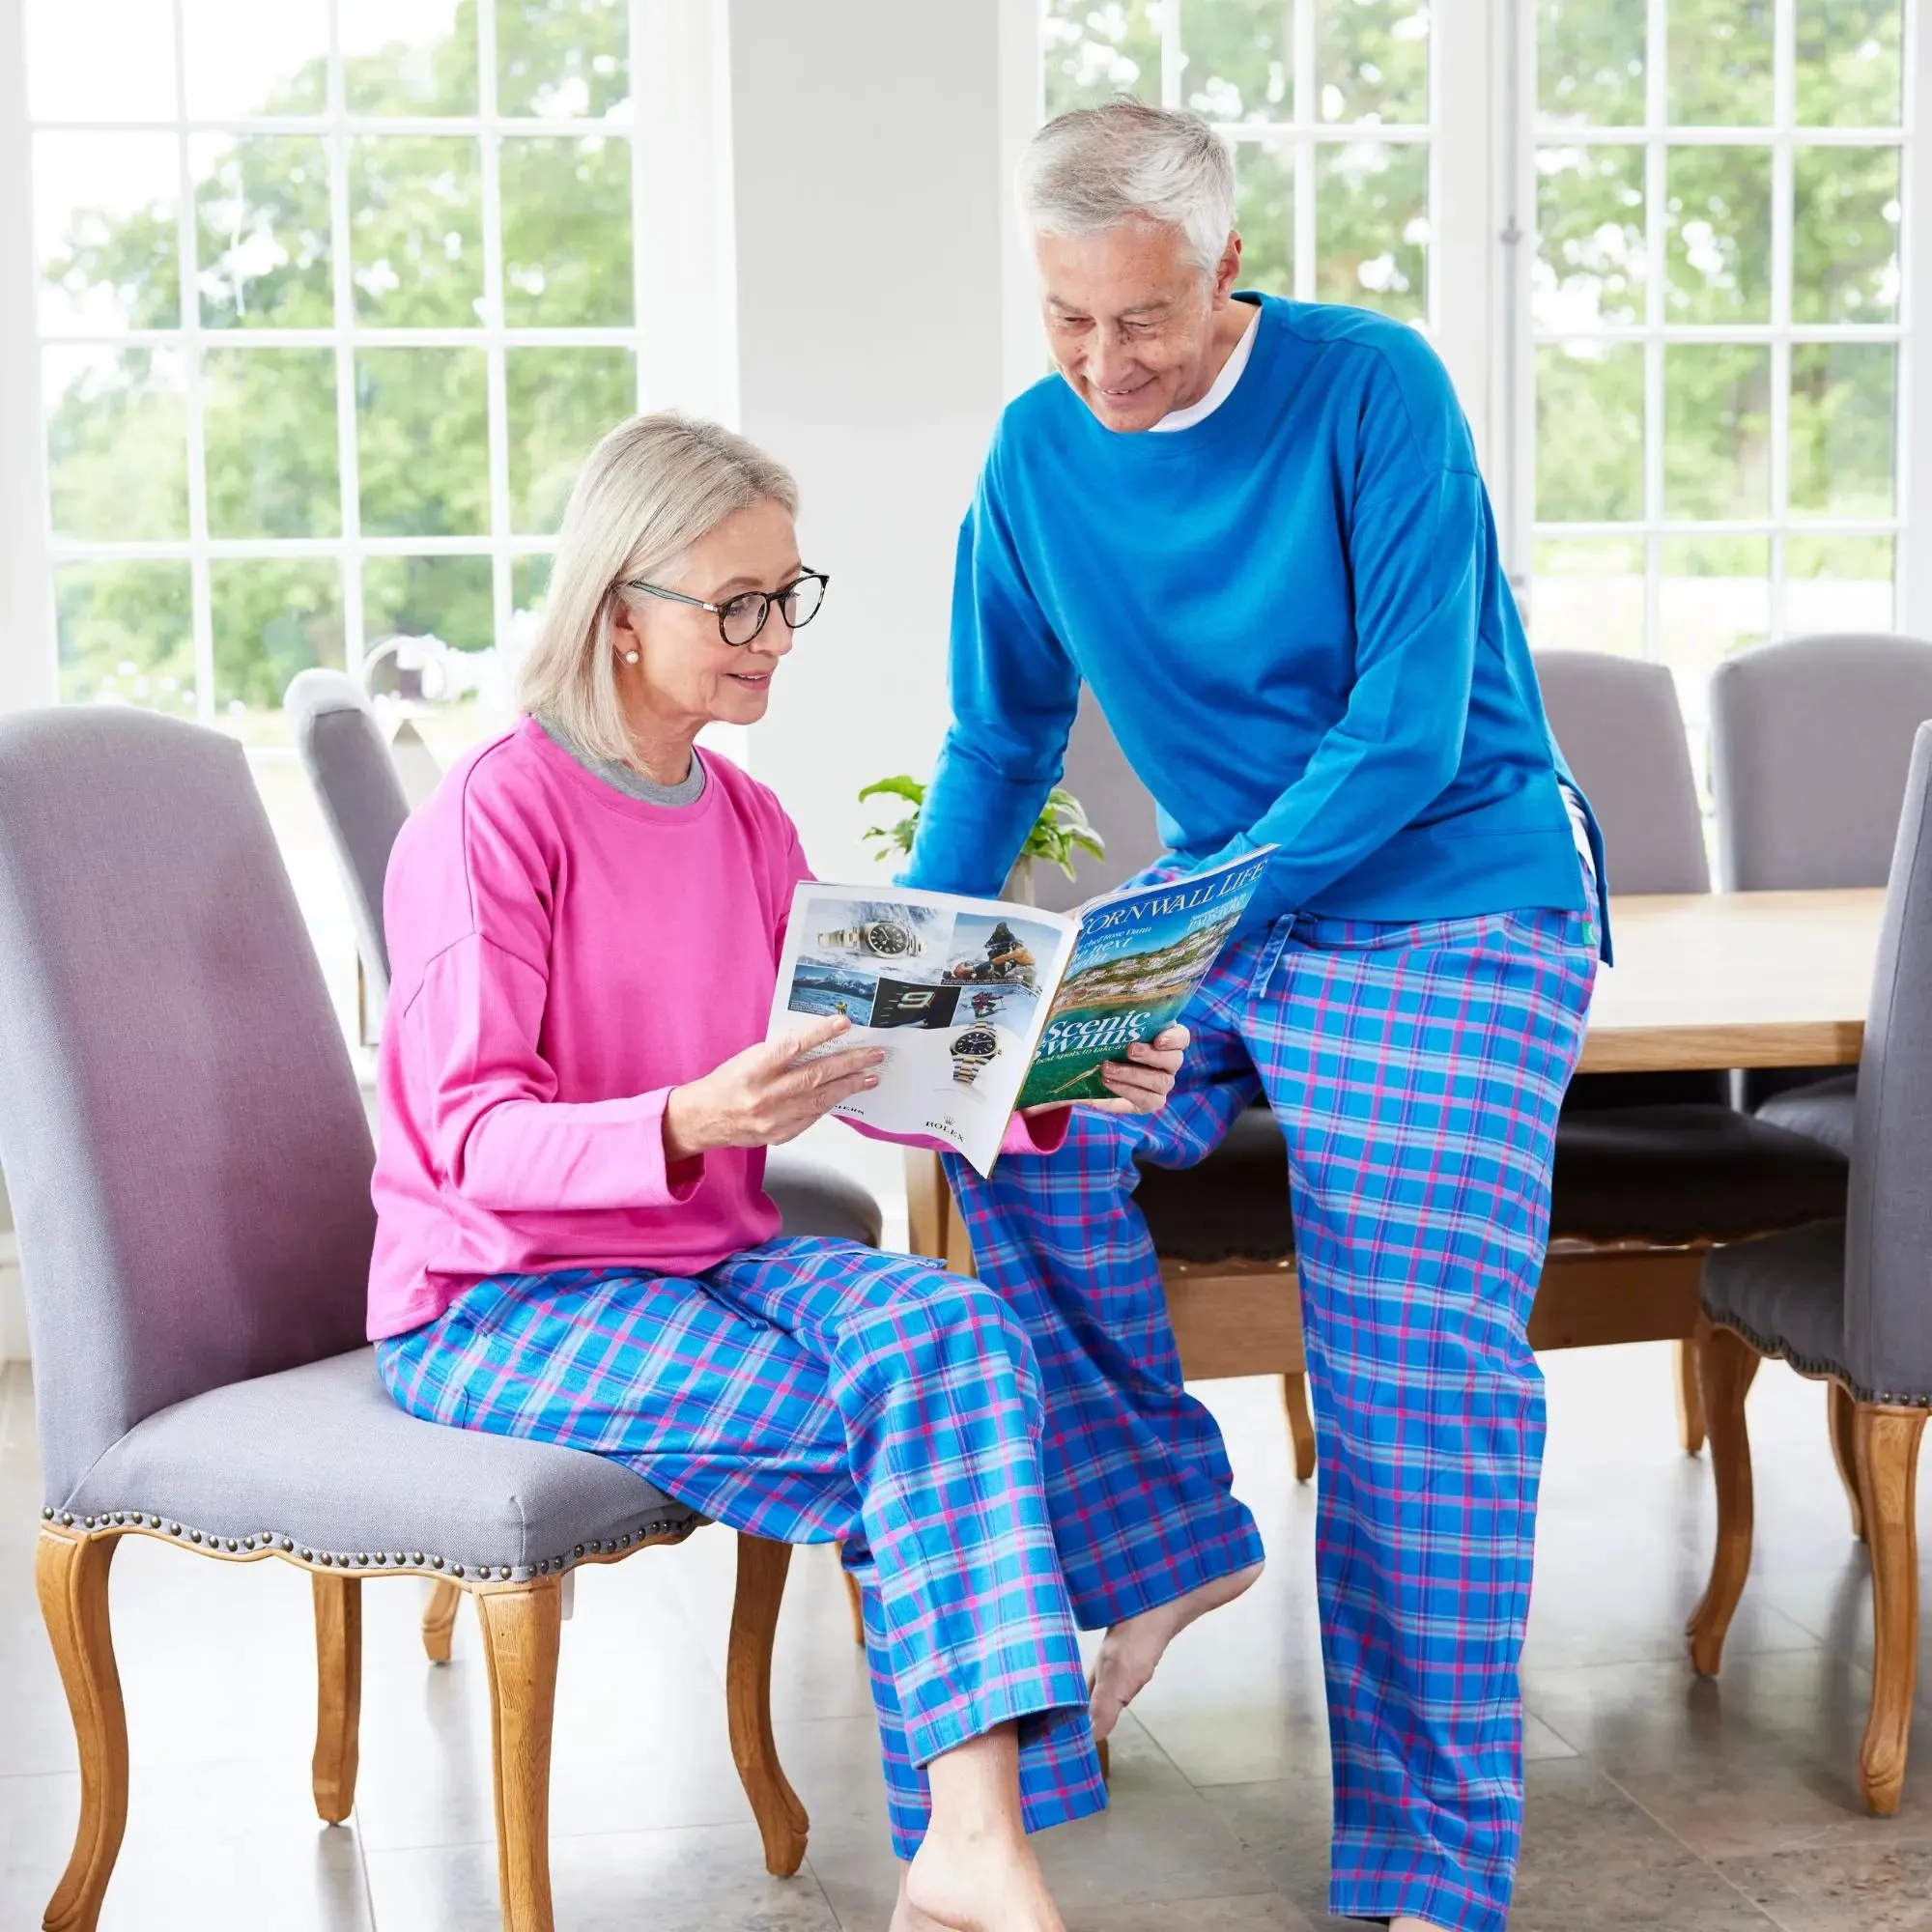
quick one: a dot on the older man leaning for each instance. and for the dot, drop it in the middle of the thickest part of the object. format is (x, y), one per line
(1256, 530)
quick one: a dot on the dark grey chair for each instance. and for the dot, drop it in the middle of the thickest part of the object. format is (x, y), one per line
(1659, 1166)
(340, 744)
(188, 1162)
(1811, 740)
(1845, 1300)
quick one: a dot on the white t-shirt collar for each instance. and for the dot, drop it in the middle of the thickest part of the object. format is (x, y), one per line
(1223, 385)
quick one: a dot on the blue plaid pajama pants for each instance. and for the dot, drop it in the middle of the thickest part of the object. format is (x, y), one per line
(813, 1391)
(1417, 1071)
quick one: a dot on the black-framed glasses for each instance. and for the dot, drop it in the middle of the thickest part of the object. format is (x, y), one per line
(742, 617)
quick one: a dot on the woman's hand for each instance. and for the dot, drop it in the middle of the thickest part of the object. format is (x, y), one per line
(1142, 1082)
(762, 1098)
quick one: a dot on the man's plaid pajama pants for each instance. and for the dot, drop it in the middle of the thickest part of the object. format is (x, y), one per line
(1417, 1071)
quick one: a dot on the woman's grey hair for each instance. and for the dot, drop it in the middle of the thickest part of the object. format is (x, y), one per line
(655, 486)
(1097, 167)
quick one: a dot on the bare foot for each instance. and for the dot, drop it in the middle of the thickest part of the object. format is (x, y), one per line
(1406, 1923)
(975, 1885)
(1131, 1648)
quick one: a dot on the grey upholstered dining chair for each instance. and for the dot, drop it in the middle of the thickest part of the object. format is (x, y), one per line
(1845, 1299)
(360, 791)
(1656, 1167)
(1811, 741)
(188, 1162)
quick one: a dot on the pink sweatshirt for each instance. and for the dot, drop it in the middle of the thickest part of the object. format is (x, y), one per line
(561, 955)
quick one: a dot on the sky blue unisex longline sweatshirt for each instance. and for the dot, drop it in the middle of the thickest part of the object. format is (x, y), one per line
(1296, 619)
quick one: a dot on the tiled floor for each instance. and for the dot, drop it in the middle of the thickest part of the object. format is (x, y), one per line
(1655, 1800)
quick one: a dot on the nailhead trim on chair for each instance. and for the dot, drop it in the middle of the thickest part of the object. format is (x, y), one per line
(1807, 1365)
(268, 1542)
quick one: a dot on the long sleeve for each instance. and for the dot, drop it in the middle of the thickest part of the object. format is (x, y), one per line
(495, 1128)
(1014, 693)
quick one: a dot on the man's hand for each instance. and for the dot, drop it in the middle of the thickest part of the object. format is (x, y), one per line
(1142, 1082)
(762, 1098)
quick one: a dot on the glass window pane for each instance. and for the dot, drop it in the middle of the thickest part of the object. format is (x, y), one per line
(262, 250)
(246, 59)
(560, 402)
(1590, 62)
(1589, 432)
(561, 58)
(1843, 400)
(422, 442)
(1717, 249)
(1844, 235)
(1372, 226)
(1848, 68)
(269, 424)
(127, 635)
(1264, 214)
(100, 59)
(445, 597)
(1716, 430)
(566, 232)
(1587, 596)
(104, 221)
(1237, 58)
(1094, 52)
(418, 235)
(1371, 60)
(1590, 260)
(1721, 57)
(529, 580)
(1714, 601)
(1837, 584)
(409, 56)
(117, 443)
(273, 617)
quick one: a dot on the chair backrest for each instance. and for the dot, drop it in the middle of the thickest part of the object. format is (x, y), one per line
(1118, 805)
(361, 794)
(183, 1139)
(1809, 743)
(1621, 729)
(1887, 1309)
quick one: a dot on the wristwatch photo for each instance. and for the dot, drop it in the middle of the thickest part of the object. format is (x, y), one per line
(883, 938)
(971, 1051)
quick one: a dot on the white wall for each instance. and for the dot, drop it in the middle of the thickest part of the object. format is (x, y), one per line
(868, 186)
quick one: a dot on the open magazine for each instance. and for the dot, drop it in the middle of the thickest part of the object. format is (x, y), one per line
(984, 1006)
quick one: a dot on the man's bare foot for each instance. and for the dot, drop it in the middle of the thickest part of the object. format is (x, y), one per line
(1406, 1923)
(981, 1885)
(1132, 1648)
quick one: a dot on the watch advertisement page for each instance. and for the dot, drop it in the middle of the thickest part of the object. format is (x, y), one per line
(955, 990)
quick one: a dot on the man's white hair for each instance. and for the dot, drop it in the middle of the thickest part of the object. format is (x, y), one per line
(1097, 167)
(655, 486)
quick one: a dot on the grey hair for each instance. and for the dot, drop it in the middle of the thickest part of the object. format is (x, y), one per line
(654, 486)
(1098, 167)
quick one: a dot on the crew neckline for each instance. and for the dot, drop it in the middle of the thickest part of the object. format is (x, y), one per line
(1225, 382)
(566, 763)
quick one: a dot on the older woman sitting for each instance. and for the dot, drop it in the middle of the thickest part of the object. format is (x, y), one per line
(574, 1242)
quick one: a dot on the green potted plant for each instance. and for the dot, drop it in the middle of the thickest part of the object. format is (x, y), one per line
(1061, 830)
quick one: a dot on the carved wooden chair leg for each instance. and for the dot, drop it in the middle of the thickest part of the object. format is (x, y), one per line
(1728, 1365)
(857, 1601)
(338, 1693)
(782, 1822)
(521, 1627)
(1691, 1428)
(1301, 1424)
(1106, 1758)
(1886, 1448)
(1841, 1407)
(438, 1626)
(71, 1574)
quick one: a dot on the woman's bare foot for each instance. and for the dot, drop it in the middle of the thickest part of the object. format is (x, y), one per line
(1132, 1648)
(975, 1886)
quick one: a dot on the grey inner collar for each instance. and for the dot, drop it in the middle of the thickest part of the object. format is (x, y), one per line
(626, 778)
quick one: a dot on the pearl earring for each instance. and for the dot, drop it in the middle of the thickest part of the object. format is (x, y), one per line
(630, 657)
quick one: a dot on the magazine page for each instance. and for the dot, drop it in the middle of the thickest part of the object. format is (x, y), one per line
(1139, 958)
(955, 990)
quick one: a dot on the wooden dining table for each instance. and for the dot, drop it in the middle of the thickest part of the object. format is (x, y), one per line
(1712, 980)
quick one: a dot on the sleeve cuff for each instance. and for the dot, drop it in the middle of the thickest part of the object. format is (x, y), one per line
(1044, 1132)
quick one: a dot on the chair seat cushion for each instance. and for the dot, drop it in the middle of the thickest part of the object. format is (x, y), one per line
(1234, 1204)
(1823, 1110)
(1689, 1173)
(819, 1201)
(1785, 1292)
(322, 1455)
